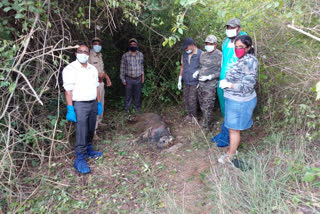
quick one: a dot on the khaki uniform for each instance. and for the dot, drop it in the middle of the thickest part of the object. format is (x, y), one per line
(96, 60)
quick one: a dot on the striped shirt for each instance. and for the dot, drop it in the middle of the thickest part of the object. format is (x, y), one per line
(131, 65)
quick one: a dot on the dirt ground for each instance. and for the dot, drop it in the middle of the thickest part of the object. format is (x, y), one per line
(183, 166)
(136, 178)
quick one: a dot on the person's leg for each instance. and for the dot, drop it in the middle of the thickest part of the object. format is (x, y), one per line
(82, 111)
(193, 100)
(102, 92)
(186, 95)
(234, 141)
(137, 93)
(201, 96)
(221, 99)
(234, 144)
(128, 97)
(81, 127)
(92, 116)
(209, 99)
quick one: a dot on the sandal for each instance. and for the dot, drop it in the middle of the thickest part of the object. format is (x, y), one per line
(227, 158)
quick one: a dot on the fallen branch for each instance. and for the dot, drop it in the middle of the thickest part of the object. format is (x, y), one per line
(303, 32)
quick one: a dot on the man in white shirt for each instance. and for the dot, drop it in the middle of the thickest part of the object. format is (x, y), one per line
(80, 80)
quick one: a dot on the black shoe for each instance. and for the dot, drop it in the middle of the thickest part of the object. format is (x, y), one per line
(241, 165)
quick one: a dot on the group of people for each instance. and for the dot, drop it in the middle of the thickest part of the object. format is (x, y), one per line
(231, 74)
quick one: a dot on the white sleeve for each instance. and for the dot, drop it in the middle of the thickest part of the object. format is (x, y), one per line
(68, 77)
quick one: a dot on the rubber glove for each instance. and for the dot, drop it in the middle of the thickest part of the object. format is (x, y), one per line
(71, 115)
(99, 105)
(180, 83)
(205, 78)
(195, 74)
(225, 84)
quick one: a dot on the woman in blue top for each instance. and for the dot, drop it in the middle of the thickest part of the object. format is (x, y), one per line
(239, 93)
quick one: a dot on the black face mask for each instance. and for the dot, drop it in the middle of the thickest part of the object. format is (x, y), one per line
(133, 48)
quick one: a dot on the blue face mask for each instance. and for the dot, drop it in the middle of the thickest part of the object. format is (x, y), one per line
(133, 48)
(189, 51)
(97, 48)
(82, 58)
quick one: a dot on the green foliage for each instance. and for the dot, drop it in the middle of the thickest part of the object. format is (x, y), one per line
(311, 173)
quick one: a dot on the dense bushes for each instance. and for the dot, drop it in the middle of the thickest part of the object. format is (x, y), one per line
(38, 38)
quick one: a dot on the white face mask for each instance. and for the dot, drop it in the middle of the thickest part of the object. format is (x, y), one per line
(82, 58)
(189, 51)
(97, 48)
(231, 33)
(209, 48)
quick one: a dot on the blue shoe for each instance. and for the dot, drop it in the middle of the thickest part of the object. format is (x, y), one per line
(80, 164)
(93, 154)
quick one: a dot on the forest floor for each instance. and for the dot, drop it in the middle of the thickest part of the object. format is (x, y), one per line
(133, 178)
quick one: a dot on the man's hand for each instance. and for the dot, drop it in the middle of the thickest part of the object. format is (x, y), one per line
(195, 74)
(100, 109)
(109, 84)
(224, 84)
(142, 78)
(71, 115)
(107, 79)
(205, 78)
(124, 83)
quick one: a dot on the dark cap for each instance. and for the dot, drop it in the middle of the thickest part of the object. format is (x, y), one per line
(234, 22)
(133, 40)
(187, 41)
(96, 39)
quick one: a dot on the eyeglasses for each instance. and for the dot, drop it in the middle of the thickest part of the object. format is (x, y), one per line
(80, 52)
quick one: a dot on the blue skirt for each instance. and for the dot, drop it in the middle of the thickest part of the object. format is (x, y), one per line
(238, 115)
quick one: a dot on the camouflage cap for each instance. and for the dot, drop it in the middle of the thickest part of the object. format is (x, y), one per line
(234, 22)
(96, 39)
(133, 40)
(211, 39)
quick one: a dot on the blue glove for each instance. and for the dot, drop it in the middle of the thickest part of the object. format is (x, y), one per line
(71, 115)
(100, 109)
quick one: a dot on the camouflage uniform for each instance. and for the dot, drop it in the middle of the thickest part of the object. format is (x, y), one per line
(243, 75)
(190, 99)
(210, 65)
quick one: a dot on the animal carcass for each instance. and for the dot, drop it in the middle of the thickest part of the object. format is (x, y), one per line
(150, 127)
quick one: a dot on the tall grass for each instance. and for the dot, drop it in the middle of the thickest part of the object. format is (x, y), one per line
(271, 186)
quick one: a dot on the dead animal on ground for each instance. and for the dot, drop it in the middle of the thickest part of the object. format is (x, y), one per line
(150, 127)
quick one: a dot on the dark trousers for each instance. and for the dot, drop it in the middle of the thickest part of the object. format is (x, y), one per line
(133, 88)
(86, 112)
(190, 99)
